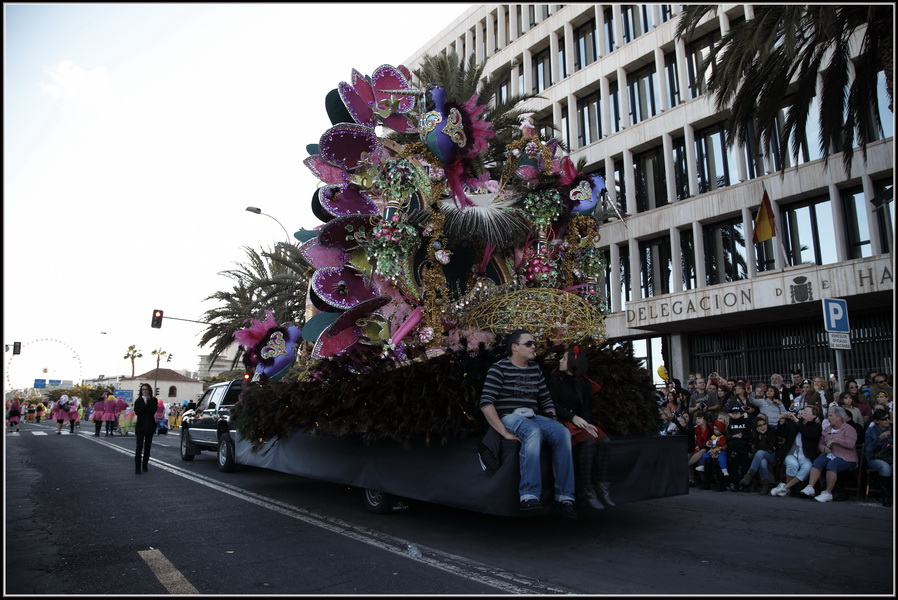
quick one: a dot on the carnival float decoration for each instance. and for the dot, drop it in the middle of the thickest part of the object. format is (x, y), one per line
(446, 223)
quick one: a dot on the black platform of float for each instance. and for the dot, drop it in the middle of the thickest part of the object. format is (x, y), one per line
(641, 468)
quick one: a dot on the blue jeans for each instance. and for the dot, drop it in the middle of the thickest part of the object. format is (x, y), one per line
(880, 466)
(721, 459)
(532, 432)
(836, 465)
(761, 462)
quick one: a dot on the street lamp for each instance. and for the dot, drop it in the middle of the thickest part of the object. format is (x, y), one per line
(258, 211)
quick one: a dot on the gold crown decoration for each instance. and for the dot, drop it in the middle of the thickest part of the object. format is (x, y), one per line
(550, 314)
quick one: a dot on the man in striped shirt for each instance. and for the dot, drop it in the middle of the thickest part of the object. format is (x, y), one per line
(513, 392)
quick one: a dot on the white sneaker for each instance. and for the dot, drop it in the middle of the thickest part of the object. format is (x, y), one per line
(808, 491)
(700, 468)
(824, 496)
(726, 473)
(779, 490)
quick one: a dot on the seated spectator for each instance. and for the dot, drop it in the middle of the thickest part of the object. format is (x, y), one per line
(714, 403)
(859, 429)
(723, 397)
(700, 400)
(763, 443)
(760, 391)
(702, 433)
(713, 463)
(846, 401)
(770, 406)
(782, 392)
(796, 442)
(825, 391)
(879, 451)
(858, 400)
(838, 453)
(738, 435)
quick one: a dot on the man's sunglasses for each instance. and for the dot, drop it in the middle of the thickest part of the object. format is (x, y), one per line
(528, 343)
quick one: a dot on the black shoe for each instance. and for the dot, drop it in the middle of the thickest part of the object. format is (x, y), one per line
(530, 505)
(145, 468)
(588, 499)
(605, 493)
(567, 510)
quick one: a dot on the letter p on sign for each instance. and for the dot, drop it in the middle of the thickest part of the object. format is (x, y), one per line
(835, 315)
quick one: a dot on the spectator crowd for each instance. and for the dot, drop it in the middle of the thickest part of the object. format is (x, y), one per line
(801, 436)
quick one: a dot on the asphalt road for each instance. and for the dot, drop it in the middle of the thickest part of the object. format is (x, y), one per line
(79, 521)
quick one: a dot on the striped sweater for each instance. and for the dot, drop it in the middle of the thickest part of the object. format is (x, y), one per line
(508, 387)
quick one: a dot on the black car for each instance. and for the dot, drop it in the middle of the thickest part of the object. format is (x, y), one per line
(208, 428)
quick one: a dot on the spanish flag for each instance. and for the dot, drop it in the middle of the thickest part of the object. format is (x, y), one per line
(765, 227)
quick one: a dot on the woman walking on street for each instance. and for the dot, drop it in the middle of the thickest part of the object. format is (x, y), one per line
(145, 408)
(97, 415)
(60, 412)
(109, 414)
(74, 412)
(14, 416)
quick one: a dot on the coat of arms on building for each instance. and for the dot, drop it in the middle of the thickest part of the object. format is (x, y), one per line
(802, 290)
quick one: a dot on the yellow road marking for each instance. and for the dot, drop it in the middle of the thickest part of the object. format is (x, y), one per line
(166, 573)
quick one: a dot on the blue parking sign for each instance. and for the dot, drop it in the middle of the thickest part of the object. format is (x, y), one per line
(835, 315)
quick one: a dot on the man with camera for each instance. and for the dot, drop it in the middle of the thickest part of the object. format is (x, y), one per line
(699, 400)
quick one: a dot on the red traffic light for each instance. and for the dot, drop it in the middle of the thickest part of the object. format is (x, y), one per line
(157, 319)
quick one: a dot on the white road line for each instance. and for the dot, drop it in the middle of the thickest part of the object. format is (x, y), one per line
(512, 583)
(166, 573)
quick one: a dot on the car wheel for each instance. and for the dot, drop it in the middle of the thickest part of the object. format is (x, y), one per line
(378, 502)
(188, 450)
(226, 462)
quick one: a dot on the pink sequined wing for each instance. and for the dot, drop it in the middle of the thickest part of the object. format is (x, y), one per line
(348, 145)
(324, 170)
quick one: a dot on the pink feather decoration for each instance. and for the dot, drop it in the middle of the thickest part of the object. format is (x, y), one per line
(480, 130)
(251, 336)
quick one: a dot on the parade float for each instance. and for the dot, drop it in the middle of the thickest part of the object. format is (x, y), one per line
(448, 220)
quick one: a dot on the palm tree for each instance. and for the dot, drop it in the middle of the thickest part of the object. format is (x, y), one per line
(133, 353)
(269, 280)
(772, 61)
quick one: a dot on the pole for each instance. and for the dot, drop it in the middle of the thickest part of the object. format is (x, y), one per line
(839, 371)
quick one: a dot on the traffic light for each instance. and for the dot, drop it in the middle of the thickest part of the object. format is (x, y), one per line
(157, 319)
(17, 347)
(169, 358)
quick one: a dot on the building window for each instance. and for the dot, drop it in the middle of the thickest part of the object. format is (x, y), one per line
(808, 232)
(561, 70)
(542, 75)
(625, 274)
(609, 31)
(680, 168)
(590, 125)
(646, 20)
(586, 44)
(713, 160)
(565, 127)
(666, 13)
(886, 117)
(641, 93)
(620, 183)
(655, 267)
(687, 260)
(614, 98)
(857, 226)
(172, 391)
(673, 79)
(882, 209)
(521, 77)
(628, 23)
(697, 53)
(504, 91)
(724, 251)
(651, 187)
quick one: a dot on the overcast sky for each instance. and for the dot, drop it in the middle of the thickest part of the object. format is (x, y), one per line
(135, 136)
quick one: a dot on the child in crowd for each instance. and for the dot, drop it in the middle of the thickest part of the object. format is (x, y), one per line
(738, 435)
(714, 459)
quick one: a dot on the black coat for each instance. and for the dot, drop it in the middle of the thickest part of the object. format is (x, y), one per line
(810, 438)
(146, 415)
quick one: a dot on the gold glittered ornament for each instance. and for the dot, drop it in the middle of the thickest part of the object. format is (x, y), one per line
(549, 314)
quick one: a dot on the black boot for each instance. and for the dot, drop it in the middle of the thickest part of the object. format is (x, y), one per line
(587, 497)
(885, 484)
(706, 480)
(605, 493)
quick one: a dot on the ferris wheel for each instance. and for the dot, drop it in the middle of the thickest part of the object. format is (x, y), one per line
(43, 358)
